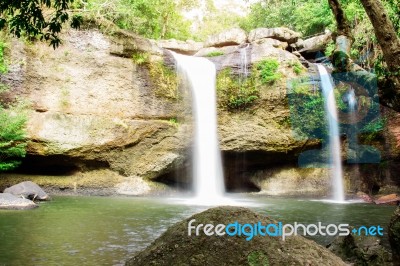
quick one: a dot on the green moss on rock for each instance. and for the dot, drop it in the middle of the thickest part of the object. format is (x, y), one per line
(235, 93)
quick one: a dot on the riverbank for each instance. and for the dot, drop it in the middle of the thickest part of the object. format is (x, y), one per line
(91, 183)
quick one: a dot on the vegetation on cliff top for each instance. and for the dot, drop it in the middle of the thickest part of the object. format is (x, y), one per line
(238, 92)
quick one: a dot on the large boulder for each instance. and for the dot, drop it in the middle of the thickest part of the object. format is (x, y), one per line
(361, 250)
(176, 247)
(255, 53)
(125, 43)
(182, 47)
(314, 44)
(281, 34)
(28, 190)
(233, 36)
(207, 51)
(272, 42)
(11, 202)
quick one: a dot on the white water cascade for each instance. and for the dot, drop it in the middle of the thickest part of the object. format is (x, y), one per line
(352, 101)
(244, 72)
(334, 137)
(208, 180)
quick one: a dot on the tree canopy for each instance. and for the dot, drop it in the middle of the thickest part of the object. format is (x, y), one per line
(150, 18)
(36, 18)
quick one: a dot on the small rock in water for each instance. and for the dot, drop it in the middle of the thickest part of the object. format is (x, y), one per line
(392, 199)
(28, 190)
(12, 202)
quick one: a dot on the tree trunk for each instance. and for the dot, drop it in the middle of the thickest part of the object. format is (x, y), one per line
(343, 25)
(387, 37)
(344, 38)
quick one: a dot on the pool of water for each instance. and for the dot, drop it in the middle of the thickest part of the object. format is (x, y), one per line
(108, 230)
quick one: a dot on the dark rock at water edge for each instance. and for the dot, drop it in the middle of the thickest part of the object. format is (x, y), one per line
(392, 199)
(394, 236)
(175, 247)
(361, 250)
(11, 202)
(28, 190)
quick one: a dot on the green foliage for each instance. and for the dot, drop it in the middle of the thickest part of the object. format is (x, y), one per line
(164, 79)
(297, 67)
(267, 71)
(373, 129)
(330, 48)
(150, 18)
(314, 16)
(215, 20)
(12, 137)
(174, 122)
(37, 18)
(3, 65)
(307, 110)
(234, 93)
(140, 58)
(306, 16)
(12, 127)
(215, 53)
(393, 8)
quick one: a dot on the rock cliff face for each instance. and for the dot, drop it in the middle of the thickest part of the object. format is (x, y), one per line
(94, 108)
(91, 106)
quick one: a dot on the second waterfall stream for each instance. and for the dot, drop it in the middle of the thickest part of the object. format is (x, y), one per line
(334, 134)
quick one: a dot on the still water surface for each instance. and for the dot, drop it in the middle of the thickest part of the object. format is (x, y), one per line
(107, 230)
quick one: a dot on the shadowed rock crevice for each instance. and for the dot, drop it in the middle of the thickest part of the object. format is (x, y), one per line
(58, 165)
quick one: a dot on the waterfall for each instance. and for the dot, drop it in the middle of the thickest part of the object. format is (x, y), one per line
(334, 137)
(244, 72)
(351, 100)
(199, 74)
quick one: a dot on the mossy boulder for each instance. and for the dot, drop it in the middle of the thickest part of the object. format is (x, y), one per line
(361, 250)
(175, 247)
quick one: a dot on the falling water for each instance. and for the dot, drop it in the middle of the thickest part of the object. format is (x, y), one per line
(200, 75)
(334, 138)
(351, 100)
(244, 71)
